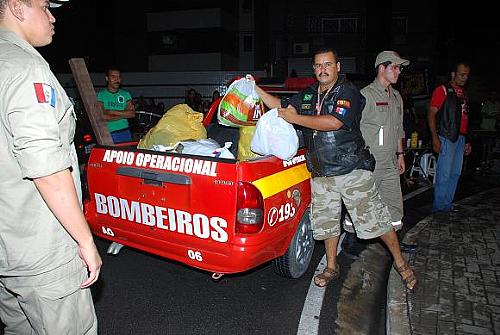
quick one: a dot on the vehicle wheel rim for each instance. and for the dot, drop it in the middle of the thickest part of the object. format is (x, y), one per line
(304, 243)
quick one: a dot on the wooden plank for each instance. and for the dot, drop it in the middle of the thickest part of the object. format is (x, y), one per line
(89, 98)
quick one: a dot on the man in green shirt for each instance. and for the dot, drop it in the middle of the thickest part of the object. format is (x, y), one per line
(117, 106)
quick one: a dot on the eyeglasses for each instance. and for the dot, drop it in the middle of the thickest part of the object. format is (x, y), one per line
(323, 65)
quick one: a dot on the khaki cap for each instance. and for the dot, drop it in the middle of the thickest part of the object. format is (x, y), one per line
(390, 56)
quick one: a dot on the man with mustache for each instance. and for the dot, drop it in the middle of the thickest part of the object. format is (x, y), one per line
(329, 113)
(48, 258)
(117, 106)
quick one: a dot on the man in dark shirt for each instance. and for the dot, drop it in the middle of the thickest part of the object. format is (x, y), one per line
(329, 113)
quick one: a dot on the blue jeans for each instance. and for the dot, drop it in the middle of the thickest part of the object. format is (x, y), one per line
(122, 135)
(448, 169)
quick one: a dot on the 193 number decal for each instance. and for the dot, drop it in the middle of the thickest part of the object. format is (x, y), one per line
(284, 212)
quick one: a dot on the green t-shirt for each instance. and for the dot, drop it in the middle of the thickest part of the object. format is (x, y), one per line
(115, 101)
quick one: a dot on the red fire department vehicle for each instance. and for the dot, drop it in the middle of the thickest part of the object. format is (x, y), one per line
(219, 215)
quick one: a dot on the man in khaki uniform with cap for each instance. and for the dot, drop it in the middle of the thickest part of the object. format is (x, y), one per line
(382, 129)
(48, 258)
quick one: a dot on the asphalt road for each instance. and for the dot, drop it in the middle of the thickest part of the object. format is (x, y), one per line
(143, 294)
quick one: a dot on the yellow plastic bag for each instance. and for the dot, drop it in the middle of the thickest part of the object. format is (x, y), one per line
(244, 152)
(180, 123)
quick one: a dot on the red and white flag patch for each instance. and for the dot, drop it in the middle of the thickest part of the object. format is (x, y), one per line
(341, 111)
(45, 94)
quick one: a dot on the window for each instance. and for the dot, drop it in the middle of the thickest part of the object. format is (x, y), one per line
(399, 25)
(169, 41)
(300, 48)
(247, 43)
(339, 25)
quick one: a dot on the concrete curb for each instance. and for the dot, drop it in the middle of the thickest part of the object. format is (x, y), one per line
(398, 309)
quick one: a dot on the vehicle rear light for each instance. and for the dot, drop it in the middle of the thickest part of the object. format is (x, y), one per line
(87, 138)
(250, 209)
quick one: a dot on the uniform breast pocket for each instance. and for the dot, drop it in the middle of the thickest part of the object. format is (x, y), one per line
(328, 106)
(382, 109)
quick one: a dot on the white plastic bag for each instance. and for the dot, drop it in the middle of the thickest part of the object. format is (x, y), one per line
(207, 147)
(241, 105)
(275, 136)
(203, 147)
(224, 152)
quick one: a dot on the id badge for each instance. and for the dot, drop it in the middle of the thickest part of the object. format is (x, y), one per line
(381, 136)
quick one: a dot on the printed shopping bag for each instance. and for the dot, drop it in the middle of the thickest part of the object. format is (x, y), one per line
(241, 105)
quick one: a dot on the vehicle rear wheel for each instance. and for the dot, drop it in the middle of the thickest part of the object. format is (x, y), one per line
(294, 263)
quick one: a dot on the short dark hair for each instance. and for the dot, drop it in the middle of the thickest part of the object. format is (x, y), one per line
(385, 64)
(324, 50)
(457, 63)
(112, 68)
(3, 5)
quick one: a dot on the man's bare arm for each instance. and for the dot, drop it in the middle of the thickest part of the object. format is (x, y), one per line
(129, 110)
(269, 100)
(59, 193)
(316, 122)
(111, 114)
(401, 157)
(431, 119)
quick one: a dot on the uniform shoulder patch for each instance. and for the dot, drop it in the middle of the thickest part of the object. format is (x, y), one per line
(308, 97)
(341, 111)
(45, 94)
(344, 103)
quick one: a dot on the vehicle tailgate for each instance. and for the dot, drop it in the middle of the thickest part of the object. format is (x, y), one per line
(163, 202)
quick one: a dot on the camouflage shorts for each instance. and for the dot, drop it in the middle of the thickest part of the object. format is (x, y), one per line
(357, 189)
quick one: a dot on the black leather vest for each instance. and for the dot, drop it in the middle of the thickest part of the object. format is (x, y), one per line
(449, 115)
(337, 152)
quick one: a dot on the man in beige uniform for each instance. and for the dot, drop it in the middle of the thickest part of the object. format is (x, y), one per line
(48, 258)
(382, 129)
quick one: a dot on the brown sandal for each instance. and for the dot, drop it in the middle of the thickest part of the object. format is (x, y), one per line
(410, 280)
(327, 276)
